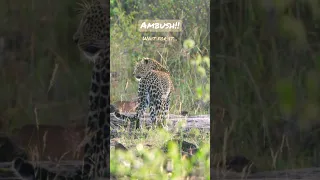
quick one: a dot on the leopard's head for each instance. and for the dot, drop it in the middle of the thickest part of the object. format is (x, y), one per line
(91, 35)
(146, 65)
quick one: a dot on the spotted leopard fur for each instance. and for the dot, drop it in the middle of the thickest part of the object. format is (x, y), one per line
(155, 87)
(92, 38)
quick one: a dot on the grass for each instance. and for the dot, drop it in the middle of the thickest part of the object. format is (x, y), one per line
(127, 47)
(265, 106)
(45, 80)
(264, 96)
(29, 59)
(146, 158)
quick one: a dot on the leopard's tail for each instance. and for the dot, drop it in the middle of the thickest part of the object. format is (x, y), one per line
(26, 170)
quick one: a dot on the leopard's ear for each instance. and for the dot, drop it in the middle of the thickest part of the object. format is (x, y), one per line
(104, 4)
(146, 60)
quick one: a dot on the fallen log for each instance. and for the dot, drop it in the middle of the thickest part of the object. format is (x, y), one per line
(201, 122)
(69, 167)
(291, 174)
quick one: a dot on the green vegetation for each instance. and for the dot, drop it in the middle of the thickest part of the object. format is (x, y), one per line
(265, 87)
(36, 40)
(127, 47)
(188, 63)
(146, 158)
(45, 79)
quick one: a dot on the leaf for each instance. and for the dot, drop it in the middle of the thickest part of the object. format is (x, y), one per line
(198, 60)
(199, 92)
(188, 44)
(206, 59)
(201, 71)
(294, 30)
(286, 95)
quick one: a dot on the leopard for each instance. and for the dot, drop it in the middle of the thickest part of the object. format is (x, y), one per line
(92, 39)
(154, 90)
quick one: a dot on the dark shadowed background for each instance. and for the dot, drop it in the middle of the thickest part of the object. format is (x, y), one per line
(265, 82)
